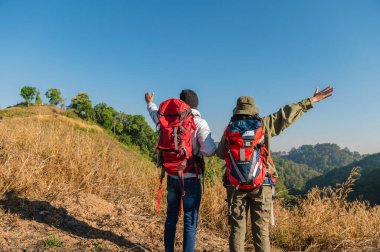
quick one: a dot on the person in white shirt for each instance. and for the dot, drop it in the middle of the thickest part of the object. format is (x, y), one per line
(203, 145)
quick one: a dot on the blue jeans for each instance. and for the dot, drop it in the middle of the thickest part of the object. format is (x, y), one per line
(191, 203)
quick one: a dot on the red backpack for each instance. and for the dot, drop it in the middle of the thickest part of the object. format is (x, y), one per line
(245, 154)
(176, 125)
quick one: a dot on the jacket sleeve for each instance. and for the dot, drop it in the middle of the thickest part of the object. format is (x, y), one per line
(221, 147)
(153, 112)
(275, 123)
(207, 145)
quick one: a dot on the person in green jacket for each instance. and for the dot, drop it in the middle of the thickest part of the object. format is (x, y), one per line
(259, 200)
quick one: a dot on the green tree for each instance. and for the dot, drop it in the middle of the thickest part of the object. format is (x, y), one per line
(136, 131)
(117, 122)
(82, 105)
(28, 93)
(54, 96)
(62, 103)
(293, 175)
(105, 115)
(38, 100)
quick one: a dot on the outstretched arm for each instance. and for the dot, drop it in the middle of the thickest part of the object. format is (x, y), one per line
(277, 122)
(152, 108)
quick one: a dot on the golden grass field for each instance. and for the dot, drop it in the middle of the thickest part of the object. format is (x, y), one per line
(77, 173)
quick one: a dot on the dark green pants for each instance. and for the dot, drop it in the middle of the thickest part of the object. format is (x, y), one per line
(259, 202)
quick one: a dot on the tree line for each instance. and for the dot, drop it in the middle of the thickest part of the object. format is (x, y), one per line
(128, 129)
(321, 157)
(30, 94)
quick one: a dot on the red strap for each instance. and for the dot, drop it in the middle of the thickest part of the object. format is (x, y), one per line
(182, 178)
(270, 160)
(160, 189)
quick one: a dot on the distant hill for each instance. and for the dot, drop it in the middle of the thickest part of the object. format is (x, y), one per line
(366, 188)
(293, 175)
(322, 157)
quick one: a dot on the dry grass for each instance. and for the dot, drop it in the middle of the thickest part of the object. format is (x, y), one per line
(45, 155)
(326, 221)
(323, 221)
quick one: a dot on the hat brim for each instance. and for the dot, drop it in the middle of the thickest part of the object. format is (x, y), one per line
(245, 111)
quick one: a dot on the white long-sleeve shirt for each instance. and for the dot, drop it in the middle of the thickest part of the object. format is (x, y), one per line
(202, 142)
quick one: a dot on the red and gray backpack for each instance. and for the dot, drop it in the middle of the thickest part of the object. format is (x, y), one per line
(176, 126)
(245, 154)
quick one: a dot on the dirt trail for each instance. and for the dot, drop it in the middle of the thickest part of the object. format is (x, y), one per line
(85, 223)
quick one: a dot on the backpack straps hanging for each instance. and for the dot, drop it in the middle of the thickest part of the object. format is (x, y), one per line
(160, 189)
(181, 177)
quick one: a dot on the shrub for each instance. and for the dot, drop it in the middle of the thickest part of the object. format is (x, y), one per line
(53, 242)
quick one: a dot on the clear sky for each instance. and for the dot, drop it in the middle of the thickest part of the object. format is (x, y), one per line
(276, 51)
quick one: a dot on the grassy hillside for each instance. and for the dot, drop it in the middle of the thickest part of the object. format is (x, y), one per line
(49, 155)
(81, 180)
(65, 180)
(367, 186)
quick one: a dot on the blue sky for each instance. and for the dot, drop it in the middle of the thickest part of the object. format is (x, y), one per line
(276, 51)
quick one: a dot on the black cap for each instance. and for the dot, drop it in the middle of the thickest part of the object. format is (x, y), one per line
(190, 97)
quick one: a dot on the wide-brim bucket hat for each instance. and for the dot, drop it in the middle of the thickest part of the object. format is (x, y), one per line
(245, 105)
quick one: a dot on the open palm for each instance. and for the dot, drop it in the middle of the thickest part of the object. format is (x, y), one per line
(321, 95)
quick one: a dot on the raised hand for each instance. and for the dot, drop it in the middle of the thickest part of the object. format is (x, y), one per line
(321, 95)
(149, 97)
